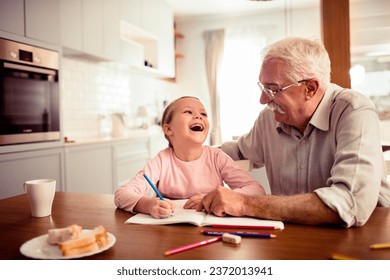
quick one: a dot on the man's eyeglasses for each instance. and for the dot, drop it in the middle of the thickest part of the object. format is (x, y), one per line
(271, 93)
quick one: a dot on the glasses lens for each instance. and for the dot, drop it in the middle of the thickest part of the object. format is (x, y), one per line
(269, 93)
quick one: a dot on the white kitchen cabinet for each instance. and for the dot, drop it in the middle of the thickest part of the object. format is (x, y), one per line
(157, 143)
(157, 19)
(35, 19)
(82, 27)
(114, 48)
(129, 31)
(130, 157)
(149, 25)
(131, 11)
(71, 25)
(111, 35)
(16, 168)
(102, 167)
(43, 20)
(12, 16)
(93, 27)
(89, 168)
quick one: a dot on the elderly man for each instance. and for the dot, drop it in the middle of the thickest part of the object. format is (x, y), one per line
(319, 143)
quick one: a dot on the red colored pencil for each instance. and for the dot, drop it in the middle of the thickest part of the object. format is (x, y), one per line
(239, 226)
(192, 246)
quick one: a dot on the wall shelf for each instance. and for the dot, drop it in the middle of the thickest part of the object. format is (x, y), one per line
(146, 41)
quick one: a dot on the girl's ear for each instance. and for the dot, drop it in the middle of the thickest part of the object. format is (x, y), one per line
(167, 129)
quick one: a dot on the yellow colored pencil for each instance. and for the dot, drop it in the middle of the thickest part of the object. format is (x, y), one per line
(380, 246)
(337, 256)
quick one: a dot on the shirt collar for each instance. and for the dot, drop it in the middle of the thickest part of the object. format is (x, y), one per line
(320, 118)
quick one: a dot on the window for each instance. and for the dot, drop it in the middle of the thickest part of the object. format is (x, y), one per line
(239, 94)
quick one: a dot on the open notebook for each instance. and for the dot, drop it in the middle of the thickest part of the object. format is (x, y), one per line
(191, 216)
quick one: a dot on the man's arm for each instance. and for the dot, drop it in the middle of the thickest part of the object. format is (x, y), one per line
(301, 209)
(232, 150)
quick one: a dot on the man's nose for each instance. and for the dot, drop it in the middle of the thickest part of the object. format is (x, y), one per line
(264, 99)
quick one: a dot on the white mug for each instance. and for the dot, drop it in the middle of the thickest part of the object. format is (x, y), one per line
(40, 194)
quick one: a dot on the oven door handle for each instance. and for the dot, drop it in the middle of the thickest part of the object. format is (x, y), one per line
(29, 68)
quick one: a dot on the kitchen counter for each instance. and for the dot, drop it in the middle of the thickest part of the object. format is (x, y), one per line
(128, 135)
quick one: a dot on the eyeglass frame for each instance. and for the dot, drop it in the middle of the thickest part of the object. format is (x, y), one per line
(271, 93)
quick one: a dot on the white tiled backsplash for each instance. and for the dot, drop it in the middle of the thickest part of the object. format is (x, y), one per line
(91, 91)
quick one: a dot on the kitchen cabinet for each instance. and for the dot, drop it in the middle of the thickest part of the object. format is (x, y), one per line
(16, 168)
(133, 38)
(89, 168)
(82, 27)
(130, 157)
(71, 25)
(111, 36)
(12, 16)
(148, 24)
(43, 20)
(131, 11)
(35, 19)
(133, 32)
(157, 19)
(156, 144)
(102, 166)
(93, 27)
(115, 48)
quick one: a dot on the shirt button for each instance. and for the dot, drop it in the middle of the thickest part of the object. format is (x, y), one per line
(303, 141)
(301, 166)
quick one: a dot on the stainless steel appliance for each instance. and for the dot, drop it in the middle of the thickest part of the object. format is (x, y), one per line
(29, 94)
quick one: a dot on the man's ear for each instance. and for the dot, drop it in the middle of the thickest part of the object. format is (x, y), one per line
(312, 87)
(167, 129)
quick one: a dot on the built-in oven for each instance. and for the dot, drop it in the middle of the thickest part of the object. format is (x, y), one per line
(29, 94)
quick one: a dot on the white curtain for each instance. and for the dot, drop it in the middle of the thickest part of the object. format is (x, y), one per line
(214, 41)
(238, 77)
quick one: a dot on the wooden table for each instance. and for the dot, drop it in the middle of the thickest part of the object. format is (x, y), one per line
(146, 242)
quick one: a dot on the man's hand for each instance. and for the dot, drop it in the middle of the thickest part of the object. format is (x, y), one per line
(222, 202)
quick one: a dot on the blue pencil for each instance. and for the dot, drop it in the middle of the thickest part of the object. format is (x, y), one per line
(153, 187)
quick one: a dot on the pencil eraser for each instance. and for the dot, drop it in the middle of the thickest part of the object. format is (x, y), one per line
(231, 238)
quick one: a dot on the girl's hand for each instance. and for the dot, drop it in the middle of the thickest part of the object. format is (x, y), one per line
(193, 201)
(158, 208)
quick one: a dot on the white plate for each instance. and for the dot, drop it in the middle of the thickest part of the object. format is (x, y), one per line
(38, 248)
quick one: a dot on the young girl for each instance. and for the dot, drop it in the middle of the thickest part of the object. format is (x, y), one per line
(187, 168)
